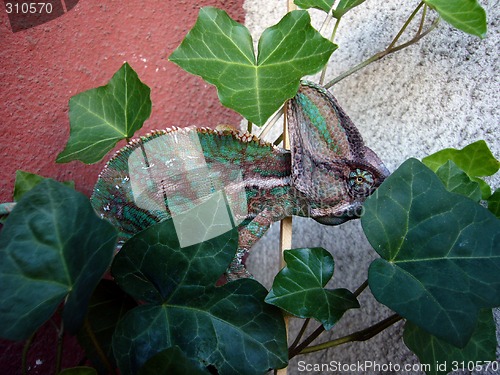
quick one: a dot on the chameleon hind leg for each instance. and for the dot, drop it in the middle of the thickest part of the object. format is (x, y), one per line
(249, 234)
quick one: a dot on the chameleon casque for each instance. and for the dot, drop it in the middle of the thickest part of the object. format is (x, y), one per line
(326, 175)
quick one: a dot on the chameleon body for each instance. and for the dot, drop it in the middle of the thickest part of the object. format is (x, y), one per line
(326, 175)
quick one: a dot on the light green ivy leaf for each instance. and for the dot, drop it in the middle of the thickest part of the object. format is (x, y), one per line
(465, 15)
(220, 50)
(325, 5)
(475, 159)
(81, 370)
(457, 181)
(26, 181)
(345, 6)
(101, 117)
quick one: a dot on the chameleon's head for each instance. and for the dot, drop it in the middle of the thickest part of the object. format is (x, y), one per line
(331, 166)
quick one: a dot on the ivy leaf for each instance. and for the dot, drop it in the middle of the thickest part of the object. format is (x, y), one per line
(345, 6)
(172, 361)
(465, 15)
(101, 117)
(298, 287)
(457, 181)
(475, 159)
(325, 5)
(52, 247)
(230, 327)
(494, 203)
(221, 51)
(435, 352)
(440, 253)
(26, 181)
(107, 306)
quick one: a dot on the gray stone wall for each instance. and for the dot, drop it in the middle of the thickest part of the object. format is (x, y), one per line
(442, 92)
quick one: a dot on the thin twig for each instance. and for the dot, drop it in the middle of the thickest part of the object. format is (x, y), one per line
(300, 334)
(360, 289)
(299, 348)
(59, 353)
(405, 25)
(278, 140)
(99, 351)
(332, 37)
(362, 335)
(422, 20)
(26, 348)
(390, 49)
(271, 123)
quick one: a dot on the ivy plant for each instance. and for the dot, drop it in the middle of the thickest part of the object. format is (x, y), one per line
(434, 224)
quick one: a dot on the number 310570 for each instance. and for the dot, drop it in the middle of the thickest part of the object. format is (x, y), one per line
(28, 8)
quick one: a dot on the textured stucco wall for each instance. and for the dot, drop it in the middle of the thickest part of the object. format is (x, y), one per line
(42, 67)
(442, 92)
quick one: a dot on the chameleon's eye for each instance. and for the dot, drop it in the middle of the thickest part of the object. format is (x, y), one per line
(360, 182)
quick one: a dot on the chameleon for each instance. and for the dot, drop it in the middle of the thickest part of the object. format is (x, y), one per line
(326, 175)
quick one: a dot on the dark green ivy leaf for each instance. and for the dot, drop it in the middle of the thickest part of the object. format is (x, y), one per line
(221, 51)
(107, 306)
(101, 117)
(431, 350)
(299, 287)
(52, 247)
(465, 15)
(230, 327)
(440, 253)
(325, 5)
(172, 361)
(457, 181)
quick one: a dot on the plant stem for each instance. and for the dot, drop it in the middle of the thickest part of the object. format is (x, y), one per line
(60, 336)
(300, 334)
(422, 20)
(392, 46)
(332, 37)
(26, 348)
(271, 122)
(100, 353)
(405, 25)
(361, 288)
(299, 348)
(278, 140)
(295, 348)
(362, 335)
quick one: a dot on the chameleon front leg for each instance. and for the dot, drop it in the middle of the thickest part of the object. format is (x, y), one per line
(249, 234)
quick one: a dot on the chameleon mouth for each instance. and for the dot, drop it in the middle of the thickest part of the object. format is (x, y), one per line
(354, 211)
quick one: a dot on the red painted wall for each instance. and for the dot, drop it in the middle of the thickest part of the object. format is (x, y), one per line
(42, 67)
